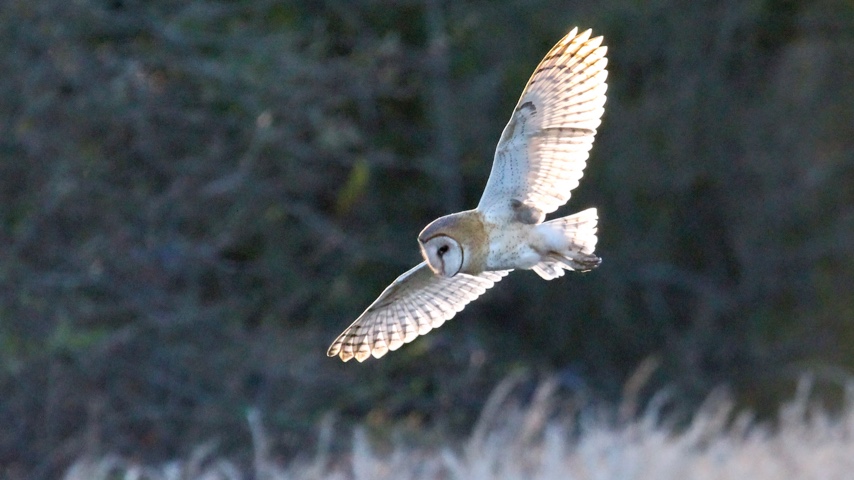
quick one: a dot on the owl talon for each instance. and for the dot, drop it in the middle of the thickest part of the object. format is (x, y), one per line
(580, 262)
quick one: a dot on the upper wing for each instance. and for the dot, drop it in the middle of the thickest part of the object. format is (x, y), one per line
(417, 302)
(543, 149)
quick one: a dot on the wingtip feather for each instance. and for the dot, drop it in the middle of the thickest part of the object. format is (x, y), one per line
(345, 356)
(572, 33)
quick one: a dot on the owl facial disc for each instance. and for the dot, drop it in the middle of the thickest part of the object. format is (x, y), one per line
(444, 255)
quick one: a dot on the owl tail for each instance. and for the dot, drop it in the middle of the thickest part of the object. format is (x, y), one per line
(572, 240)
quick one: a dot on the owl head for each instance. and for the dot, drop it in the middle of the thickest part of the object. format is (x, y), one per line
(448, 242)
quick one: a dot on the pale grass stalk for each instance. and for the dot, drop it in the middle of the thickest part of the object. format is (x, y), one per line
(515, 441)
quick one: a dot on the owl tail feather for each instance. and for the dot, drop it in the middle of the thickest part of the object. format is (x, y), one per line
(573, 240)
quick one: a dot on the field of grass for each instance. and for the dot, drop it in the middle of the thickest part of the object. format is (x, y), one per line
(531, 441)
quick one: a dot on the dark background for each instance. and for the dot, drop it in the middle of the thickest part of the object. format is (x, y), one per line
(197, 197)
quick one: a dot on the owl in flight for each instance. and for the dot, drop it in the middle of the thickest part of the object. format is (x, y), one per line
(539, 159)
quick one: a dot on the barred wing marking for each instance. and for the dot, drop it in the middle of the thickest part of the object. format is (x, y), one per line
(417, 302)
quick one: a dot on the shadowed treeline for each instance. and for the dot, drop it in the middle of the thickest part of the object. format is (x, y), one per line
(196, 197)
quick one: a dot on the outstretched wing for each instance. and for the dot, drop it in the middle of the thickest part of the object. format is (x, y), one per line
(417, 302)
(543, 150)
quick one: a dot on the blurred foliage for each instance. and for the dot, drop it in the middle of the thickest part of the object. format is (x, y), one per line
(196, 197)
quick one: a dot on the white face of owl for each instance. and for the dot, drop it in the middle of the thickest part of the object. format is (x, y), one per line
(444, 255)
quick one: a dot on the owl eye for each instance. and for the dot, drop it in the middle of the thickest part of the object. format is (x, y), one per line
(442, 250)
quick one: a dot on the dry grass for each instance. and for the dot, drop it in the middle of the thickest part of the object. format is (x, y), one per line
(512, 441)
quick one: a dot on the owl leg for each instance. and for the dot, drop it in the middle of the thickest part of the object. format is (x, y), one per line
(569, 244)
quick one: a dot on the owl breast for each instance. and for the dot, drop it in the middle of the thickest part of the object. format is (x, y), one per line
(511, 247)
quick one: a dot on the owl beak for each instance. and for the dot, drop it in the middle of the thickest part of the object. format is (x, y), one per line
(426, 259)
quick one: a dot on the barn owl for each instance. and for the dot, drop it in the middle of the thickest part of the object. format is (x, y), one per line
(539, 159)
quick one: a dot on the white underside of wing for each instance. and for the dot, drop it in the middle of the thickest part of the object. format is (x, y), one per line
(417, 302)
(544, 148)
